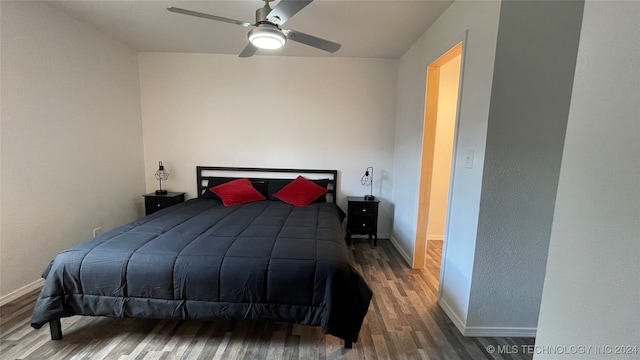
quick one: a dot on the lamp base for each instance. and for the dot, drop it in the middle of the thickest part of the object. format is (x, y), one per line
(369, 197)
(161, 192)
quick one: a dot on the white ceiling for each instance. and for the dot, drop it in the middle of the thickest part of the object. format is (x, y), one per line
(365, 28)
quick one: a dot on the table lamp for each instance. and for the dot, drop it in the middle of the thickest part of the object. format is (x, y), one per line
(367, 180)
(161, 174)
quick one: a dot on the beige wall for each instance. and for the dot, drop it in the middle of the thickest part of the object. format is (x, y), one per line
(71, 137)
(443, 152)
(329, 113)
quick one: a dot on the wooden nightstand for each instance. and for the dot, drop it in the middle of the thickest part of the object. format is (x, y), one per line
(153, 202)
(362, 218)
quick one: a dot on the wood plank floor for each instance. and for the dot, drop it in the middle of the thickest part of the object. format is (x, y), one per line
(403, 322)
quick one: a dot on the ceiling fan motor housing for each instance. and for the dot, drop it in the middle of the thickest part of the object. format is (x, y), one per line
(266, 35)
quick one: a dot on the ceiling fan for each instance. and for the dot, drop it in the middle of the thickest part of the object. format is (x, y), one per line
(267, 33)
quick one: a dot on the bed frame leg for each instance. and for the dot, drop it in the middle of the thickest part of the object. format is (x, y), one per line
(56, 329)
(348, 344)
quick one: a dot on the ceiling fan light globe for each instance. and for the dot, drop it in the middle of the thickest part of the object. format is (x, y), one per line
(267, 38)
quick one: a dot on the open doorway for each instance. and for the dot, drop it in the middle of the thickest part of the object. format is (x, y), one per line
(441, 103)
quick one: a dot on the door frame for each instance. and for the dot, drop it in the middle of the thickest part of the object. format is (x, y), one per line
(428, 147)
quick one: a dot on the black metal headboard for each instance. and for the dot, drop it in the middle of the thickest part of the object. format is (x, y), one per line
(205, 173)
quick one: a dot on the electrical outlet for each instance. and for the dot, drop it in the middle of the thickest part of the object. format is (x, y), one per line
(97, 231)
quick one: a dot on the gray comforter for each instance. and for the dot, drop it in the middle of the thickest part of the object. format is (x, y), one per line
(201, 260)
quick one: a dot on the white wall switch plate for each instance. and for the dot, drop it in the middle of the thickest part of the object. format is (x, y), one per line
(468, 158)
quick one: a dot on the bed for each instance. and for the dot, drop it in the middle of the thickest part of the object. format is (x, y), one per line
(209, 258)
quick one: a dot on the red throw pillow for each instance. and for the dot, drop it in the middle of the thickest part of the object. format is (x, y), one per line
(300, 192)
(237, 192)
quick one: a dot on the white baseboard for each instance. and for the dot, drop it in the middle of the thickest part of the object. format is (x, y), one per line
(21, 292)
(479, 331)
(485, 331)
(402, 253)
(452, 315)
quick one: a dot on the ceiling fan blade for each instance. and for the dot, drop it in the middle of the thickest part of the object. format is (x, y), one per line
(285, 10)
(311, 40)
(248, 51)
(207, 16)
